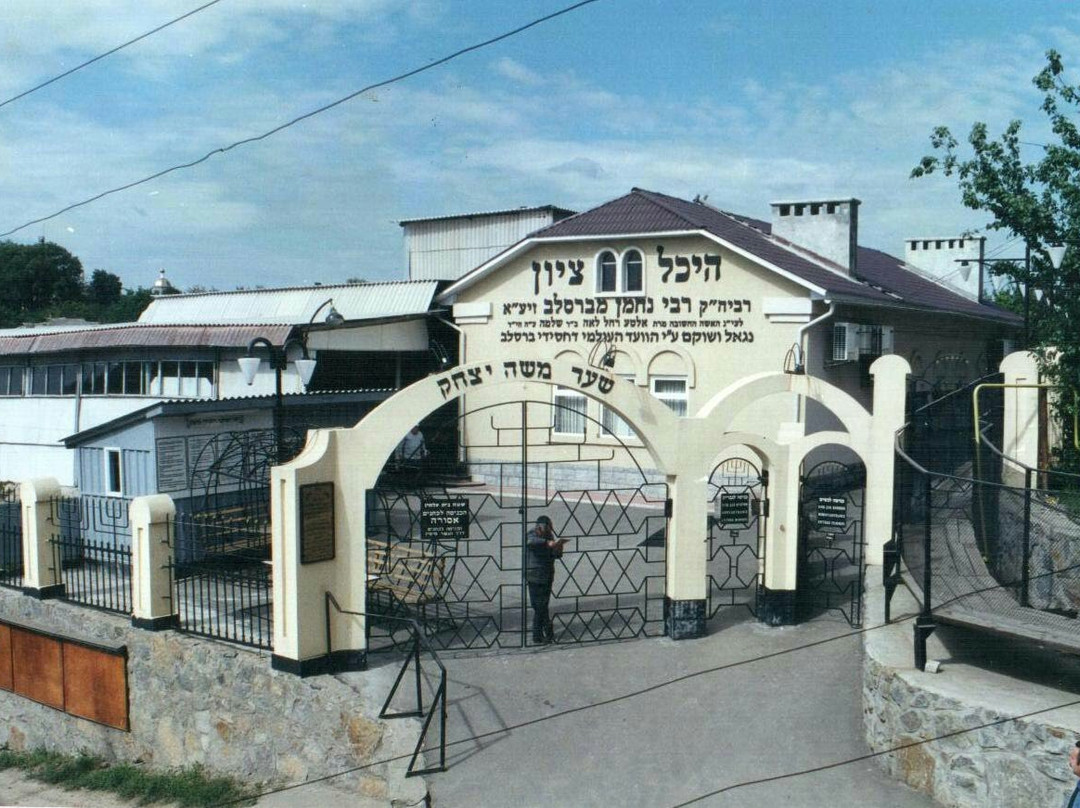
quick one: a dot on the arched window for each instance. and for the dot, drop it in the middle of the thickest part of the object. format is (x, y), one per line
(606, 271)
(632, 271)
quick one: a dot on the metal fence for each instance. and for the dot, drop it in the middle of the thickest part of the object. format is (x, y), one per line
(983, 549)
(222, 577)
(11, 553)
(91, 543)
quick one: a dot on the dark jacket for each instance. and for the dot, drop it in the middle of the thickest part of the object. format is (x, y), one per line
(539, 559)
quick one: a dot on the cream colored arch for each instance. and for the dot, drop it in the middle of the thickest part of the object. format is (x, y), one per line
(687, 360)
(722, 408)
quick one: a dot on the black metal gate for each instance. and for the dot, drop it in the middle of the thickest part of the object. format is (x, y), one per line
(447, 533)
(738, 509)
(831, 548)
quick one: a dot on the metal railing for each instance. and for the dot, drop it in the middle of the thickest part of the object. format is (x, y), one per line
(982, 553)
(91, 543)
(11, 552)
(221, 575)
(413, 658)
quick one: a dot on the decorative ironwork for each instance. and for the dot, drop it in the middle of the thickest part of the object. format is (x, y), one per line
(831, 547)
(232, 470)
(470, 592)
(980, 552)
(222, 577)
(738, 500)
(92, 550)
(11, 553)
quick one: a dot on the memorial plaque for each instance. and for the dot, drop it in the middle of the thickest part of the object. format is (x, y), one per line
(444, 519)
(832, 514)
(172, 464)
(735, 508)
(316, 522)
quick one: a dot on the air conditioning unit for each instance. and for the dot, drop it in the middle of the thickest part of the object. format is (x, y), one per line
(845, 342)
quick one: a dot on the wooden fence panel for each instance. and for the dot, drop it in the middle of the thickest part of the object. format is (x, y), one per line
(95, 685)
(38, 669)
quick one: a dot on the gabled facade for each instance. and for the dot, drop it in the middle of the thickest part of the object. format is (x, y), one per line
(687, 300)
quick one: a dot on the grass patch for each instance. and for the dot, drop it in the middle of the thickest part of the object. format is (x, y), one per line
(190, 787)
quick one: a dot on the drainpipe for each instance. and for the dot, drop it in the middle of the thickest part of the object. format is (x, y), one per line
(801, 358)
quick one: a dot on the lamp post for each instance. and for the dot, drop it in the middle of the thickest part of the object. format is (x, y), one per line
(279, 361)
(1055, 252)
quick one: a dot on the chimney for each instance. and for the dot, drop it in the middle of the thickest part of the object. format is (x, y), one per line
(827, 227)
(954, 262)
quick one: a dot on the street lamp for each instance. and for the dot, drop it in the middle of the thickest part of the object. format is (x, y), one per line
(279, 361)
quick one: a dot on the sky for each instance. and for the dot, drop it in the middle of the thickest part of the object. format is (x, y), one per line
(745, 101)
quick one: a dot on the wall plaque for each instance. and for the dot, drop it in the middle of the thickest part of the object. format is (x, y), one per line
(172, 464)
(832, 514)
(735, 508)
(316, 522)
(444, 518)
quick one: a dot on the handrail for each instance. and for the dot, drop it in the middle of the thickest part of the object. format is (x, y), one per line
(438, 701)
(1025, 467)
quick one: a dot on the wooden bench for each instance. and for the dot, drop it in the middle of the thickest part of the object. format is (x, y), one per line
(408, 575)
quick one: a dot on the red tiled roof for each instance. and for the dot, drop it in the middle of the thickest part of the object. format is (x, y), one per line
(878, 279)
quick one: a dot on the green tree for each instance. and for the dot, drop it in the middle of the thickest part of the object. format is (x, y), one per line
(1034, 198)
(39, 275)
(104, 288)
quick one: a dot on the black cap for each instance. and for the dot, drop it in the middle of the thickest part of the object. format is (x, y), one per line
(543, 520)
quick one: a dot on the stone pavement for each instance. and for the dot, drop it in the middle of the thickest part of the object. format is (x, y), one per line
(548, 741)
(545, 744)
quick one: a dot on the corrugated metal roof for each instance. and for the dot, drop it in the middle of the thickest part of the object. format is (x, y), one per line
(174, 406)
(294, 305)
(135, 335)
(879, 279)
(554, 209)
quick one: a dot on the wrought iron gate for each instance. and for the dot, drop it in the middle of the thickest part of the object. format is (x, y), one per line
(831, 548)
(446, 535)
(738, 509)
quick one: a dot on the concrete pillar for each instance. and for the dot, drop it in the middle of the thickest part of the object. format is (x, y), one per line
(890, 393)
(781, 542)
(41, 568)
(1020, 437)
(687, 557)
(153, 605)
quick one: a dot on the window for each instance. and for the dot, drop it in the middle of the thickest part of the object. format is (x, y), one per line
(52, 380)
(569, 416)
(611, 424)
(606, 272)
(620, 275)
(11, 381)
(633, 271)
(114, 475)
(671, 391)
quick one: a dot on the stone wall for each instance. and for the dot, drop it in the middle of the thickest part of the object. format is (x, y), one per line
(222, 706)
(1017, 763)
(1020, 764)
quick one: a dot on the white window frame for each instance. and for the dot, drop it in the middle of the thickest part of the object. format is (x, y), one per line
(669, 398)
(110, 452)
(558, 396)
(622, 429)
(619, 289)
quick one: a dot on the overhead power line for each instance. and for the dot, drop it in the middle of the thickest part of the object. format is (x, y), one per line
(318, 111)
(101, 56)
(633, 694)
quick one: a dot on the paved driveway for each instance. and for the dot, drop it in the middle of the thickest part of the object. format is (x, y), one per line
(550, 741)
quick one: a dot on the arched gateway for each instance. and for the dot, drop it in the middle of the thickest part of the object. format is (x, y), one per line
(331, 496)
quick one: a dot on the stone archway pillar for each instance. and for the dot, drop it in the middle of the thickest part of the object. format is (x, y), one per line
(1020, 438)
(687, 557)
(890, 396)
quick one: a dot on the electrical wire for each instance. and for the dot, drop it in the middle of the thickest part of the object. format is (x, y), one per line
(319, 110)
(686, 677)
(101, 56)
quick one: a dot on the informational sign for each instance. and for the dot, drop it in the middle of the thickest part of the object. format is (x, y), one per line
(316, 522)
(444, 519)
(172, 464)
(832, 514)
(735, 508)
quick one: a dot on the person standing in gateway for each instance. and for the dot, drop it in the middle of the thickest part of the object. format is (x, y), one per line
(542, 548)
